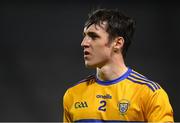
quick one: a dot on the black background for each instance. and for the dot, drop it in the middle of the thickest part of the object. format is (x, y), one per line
(41, 56)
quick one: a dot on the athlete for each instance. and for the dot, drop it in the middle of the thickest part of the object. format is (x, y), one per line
(116, 93)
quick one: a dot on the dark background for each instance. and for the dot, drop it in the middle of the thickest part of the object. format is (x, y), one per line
(40, 53)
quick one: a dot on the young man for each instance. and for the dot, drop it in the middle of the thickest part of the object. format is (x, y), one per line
(116, 93)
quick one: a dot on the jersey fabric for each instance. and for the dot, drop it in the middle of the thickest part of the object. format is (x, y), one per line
(131, 97)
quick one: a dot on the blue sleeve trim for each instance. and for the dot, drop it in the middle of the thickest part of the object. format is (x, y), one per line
(145, 79)
(99, 120)
(148, 81)
(142, 83)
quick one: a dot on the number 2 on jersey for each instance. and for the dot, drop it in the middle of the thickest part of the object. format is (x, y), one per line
(102, 107)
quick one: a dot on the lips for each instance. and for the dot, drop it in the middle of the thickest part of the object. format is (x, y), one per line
(86, 53)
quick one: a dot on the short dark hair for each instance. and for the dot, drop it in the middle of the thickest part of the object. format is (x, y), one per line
(118, 24)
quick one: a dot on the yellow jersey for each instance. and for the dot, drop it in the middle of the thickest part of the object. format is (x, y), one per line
(131, 97)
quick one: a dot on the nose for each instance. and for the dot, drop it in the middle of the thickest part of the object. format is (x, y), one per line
(84, 42)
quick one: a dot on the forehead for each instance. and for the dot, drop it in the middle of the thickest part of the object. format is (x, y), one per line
(96, 28)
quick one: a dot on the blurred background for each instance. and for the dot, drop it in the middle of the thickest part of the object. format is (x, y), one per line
(41, 56)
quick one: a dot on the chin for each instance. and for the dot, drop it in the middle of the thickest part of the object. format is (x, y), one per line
(90, 65)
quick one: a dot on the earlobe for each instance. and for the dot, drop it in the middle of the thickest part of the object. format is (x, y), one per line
(116, 49)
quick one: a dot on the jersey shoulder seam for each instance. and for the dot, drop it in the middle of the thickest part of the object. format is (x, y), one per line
(86, 79)
(140, 79)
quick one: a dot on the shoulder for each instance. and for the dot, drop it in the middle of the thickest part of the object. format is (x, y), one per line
(143, 81)
(79, 87)
(151, 92)
(148, 88)
(84, 82)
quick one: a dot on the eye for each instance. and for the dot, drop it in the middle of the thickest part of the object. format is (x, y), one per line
(93, 35)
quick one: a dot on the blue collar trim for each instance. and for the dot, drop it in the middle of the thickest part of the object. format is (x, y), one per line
(109, 82)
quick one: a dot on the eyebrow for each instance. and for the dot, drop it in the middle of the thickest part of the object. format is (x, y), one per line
(92, 34)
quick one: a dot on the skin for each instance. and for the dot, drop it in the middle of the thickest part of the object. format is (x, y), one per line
(102, 54)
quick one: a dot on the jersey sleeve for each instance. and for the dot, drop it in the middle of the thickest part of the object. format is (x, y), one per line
(66, 100)
(158, 107)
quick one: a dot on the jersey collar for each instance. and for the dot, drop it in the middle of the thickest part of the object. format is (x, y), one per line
(109, 82)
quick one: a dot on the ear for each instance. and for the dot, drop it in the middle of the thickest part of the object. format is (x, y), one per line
(118, 43)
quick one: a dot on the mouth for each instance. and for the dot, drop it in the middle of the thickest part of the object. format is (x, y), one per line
(86, 54)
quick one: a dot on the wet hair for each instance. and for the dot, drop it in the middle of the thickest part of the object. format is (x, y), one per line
(117, 24)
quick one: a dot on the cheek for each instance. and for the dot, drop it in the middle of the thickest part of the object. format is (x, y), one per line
(102, 50)
(103, 53)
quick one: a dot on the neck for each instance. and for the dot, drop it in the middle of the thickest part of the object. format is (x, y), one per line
(112, 70)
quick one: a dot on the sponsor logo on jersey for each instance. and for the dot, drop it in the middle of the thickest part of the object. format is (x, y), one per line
(123, 106)
(80, 105)
(107, 96)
